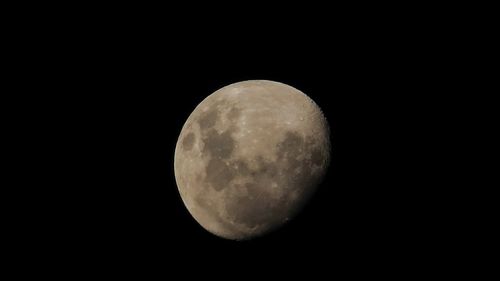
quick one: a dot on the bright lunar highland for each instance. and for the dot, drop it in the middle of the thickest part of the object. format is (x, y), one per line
(250, 156)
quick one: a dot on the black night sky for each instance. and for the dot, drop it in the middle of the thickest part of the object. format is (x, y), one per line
(123, 91)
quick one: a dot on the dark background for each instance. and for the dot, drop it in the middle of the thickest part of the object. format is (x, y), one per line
(118, 93)
(135, 109)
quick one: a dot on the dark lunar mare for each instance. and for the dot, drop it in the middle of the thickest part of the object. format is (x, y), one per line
(292, 171)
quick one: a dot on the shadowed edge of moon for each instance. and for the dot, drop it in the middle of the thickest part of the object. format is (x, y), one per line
(290, 171)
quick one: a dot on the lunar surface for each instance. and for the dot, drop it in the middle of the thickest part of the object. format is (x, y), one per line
(250, 156)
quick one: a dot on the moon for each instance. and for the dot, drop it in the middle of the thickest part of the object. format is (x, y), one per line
(250, 156)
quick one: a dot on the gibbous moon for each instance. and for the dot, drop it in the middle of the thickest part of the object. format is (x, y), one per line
(250, 156)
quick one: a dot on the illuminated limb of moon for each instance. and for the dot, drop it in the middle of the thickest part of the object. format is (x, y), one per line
(250, 156)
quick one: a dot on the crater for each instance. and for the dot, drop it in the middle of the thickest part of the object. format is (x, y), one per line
(291, 145)
(317, 157)
(212, 211)
(253, 210)
(208, 119)
(242, 167)
(296, 168)
(188, 141)
(267, 170)
(233, 114)
(219, 174)
(219, 145)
